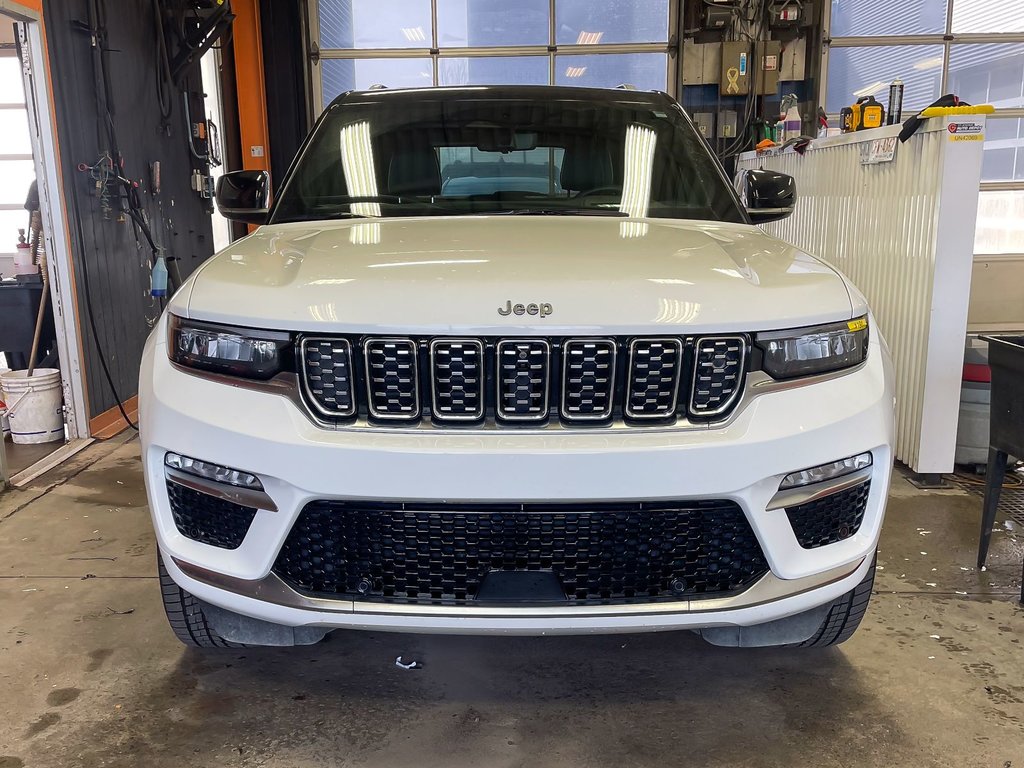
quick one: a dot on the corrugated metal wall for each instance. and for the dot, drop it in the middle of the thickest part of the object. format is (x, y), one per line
(118, 262)
(902, 232)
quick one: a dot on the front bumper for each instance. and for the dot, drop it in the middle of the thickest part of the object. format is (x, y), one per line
(771, 435)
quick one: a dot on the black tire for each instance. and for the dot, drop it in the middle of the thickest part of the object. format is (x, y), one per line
(185, 614)
(844, 615)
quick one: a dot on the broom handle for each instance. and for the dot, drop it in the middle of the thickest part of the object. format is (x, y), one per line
(36, 232)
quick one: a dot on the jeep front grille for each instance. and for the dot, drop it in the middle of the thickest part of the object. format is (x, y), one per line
(717, 373)
(523, 366)
(522, 381)
(458, 378)
(653, 383)
(327, 375)
(392, 383)
(588, 380)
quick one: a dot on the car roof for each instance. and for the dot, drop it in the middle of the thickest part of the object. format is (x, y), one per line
(525, 92)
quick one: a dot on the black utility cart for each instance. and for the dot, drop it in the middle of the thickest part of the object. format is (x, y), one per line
(1006, 359)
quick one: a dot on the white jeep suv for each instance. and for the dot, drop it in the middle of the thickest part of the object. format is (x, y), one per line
(514, 360)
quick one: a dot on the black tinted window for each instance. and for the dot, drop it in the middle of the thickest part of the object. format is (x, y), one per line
(396, 156)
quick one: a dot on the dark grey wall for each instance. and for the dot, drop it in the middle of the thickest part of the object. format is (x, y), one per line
(284, 80)
(107, 250)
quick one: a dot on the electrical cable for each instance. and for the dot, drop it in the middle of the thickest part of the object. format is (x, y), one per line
(163, 68)
(92, 317)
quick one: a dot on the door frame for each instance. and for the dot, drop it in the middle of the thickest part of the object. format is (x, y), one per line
(39, 105)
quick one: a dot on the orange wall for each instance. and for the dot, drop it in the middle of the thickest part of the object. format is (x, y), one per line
(252, 97)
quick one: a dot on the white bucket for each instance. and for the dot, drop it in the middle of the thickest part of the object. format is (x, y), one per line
(34, 405)
(5, 424)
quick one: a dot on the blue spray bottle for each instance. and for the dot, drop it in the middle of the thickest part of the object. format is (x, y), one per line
(158, 278)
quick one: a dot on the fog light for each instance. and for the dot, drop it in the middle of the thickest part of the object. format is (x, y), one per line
(214, 472)
(826, 471)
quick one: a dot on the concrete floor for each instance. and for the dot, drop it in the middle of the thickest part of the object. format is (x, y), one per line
(91, 676)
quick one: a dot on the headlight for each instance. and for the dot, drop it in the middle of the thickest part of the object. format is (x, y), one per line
(808, 351)
(252, 354)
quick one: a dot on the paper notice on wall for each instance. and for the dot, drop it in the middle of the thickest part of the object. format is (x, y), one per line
(966, 130)
(878, 151)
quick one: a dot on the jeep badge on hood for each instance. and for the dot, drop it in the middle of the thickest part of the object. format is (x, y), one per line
(525, 309)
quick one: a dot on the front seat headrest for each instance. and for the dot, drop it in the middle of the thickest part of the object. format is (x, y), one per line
(414, 171)
(586, 167)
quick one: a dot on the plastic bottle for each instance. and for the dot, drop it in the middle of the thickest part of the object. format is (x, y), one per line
(158, 278)
(794, 124)
(23, 264)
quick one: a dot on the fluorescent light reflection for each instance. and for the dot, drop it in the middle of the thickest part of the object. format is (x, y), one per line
(639, 164)
(357, 165)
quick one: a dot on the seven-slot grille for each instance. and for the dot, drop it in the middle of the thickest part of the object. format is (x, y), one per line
(458, 378)
(588, 382)
(654, 367)
(717, 373)
(392, 383)
(327, 375)
(522, 381)
(523, 367)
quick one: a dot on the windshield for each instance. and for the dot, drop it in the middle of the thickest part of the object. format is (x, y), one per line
(389, 156)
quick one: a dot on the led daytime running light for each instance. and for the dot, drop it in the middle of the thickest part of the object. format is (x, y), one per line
(215, 472)
(824, 472)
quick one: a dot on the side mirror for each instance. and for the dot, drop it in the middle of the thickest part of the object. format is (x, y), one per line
(244, 196)
(768, 195)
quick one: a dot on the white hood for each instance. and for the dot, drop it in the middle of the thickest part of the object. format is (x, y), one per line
(440, 275)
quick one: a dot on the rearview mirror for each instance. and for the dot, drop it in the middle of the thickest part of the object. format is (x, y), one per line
(506, 140)
(244, 196)
(768, 195)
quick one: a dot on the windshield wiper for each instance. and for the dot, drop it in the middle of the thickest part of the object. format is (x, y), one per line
(560, 212)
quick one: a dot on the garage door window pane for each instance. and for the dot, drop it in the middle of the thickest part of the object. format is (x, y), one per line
(17, 176)
(1000, 223)
(493, 70)
(12, 91)
(589, 22)
(340, 75)
(10, 223)
(988, 74)
(987, 16)
(1004, 150)
(856, 72)
(482, 23)
(14, 136)
(867, 18)
(374, 23)
(644, 70)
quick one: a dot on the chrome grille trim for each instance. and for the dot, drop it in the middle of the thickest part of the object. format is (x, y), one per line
(375, 355)
(626, 392)
(535, 411)
(315, 385)
(735, 344)
(472, 387)
(661, 411)
(602, 387)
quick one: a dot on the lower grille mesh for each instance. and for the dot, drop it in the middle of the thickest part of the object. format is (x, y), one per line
(600, 553)
(207, 519)
(829, 519)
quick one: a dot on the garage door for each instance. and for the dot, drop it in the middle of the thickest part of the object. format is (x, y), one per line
(406, 43)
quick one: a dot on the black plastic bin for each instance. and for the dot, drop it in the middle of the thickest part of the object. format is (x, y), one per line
(1006, 359)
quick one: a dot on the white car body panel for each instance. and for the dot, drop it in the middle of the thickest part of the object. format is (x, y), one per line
(450, 274)
(770, 435)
